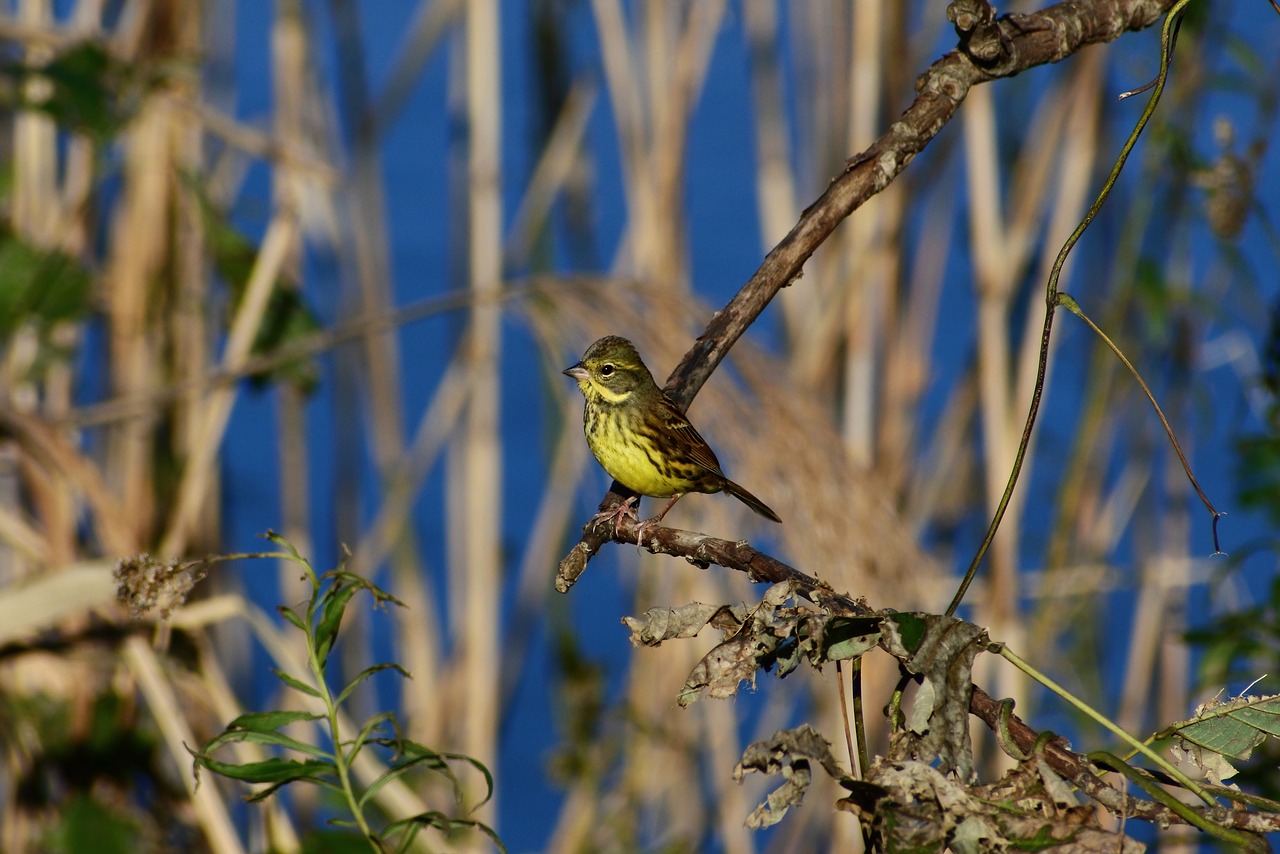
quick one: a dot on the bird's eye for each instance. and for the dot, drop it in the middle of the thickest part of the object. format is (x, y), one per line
(606, 371)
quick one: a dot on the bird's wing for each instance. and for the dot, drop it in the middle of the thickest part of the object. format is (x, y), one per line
(678, 424)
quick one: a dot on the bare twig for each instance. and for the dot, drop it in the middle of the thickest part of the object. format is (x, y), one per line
(702, 550)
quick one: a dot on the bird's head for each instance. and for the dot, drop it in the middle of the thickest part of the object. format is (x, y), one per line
(611, 370)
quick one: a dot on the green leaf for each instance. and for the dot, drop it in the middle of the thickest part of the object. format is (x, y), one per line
(474, 763)
(400, 768)
(274, 739)
(1234, 728)
(365, 674)
(87, 89)
(274, 770)
(911, 630)
(296, 684)
(292, 616)
(438, 820)
(277, 539)
(84, 824)
(39, 286)
(270, 721)
(366, 733)
(335, 605)
(415, 755)
(848, 637)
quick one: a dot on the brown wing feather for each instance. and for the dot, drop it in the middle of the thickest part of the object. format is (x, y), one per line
(697, 446)
(700, 452)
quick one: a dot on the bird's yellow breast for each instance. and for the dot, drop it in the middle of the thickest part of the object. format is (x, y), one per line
(632, 465)
(624, 449)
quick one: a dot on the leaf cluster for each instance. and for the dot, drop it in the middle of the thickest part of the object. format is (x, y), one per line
(329, 762)
(925, 790)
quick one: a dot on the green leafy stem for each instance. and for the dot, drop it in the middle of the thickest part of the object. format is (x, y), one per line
(331, 767)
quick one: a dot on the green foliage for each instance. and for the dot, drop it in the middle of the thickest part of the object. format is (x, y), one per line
(82, 88)
(1259, 466)
(329, 765)
(39, 288)
(87, 825)
(1241, 644)
(288, 317)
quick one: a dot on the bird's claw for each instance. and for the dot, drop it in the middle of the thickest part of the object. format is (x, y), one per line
(644, 529)
(615, 516)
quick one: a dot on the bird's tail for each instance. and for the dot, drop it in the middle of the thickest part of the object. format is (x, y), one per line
(750, 500)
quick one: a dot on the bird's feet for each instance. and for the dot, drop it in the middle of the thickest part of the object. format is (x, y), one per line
(615, 516)
(642, 531)
(644, 528)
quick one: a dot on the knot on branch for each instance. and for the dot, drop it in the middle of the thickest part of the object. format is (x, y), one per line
(981, 38)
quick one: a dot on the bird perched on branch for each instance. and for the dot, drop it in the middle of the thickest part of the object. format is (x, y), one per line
(641, 437)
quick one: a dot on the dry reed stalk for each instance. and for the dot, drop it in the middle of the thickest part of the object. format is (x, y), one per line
(1077, 106)
(820, 42)
(193, 489)
(186, 321)
(1081, 112)
(1157, 663)
(38, 216)
(1002, 251)
(908, 363)
(45, 601)
(867, 295)
(210, 811)
(376, 378)
(775, 180)
(36, 210)
(256, 143)
(481, 449)
(623, 79)
(1093, 516)
(289, 59)
(53, 458)
(674, 90)
(421, 641)
(729, 801)
(994, 283)
(534, 578)
(431, 24)
(555, 167)
(139, 248)
(23, 543)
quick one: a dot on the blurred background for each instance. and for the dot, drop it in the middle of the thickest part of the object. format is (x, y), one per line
(315, 267)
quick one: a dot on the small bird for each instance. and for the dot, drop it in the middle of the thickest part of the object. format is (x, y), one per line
(640, 436)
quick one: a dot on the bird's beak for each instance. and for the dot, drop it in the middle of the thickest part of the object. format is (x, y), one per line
(578, 372)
